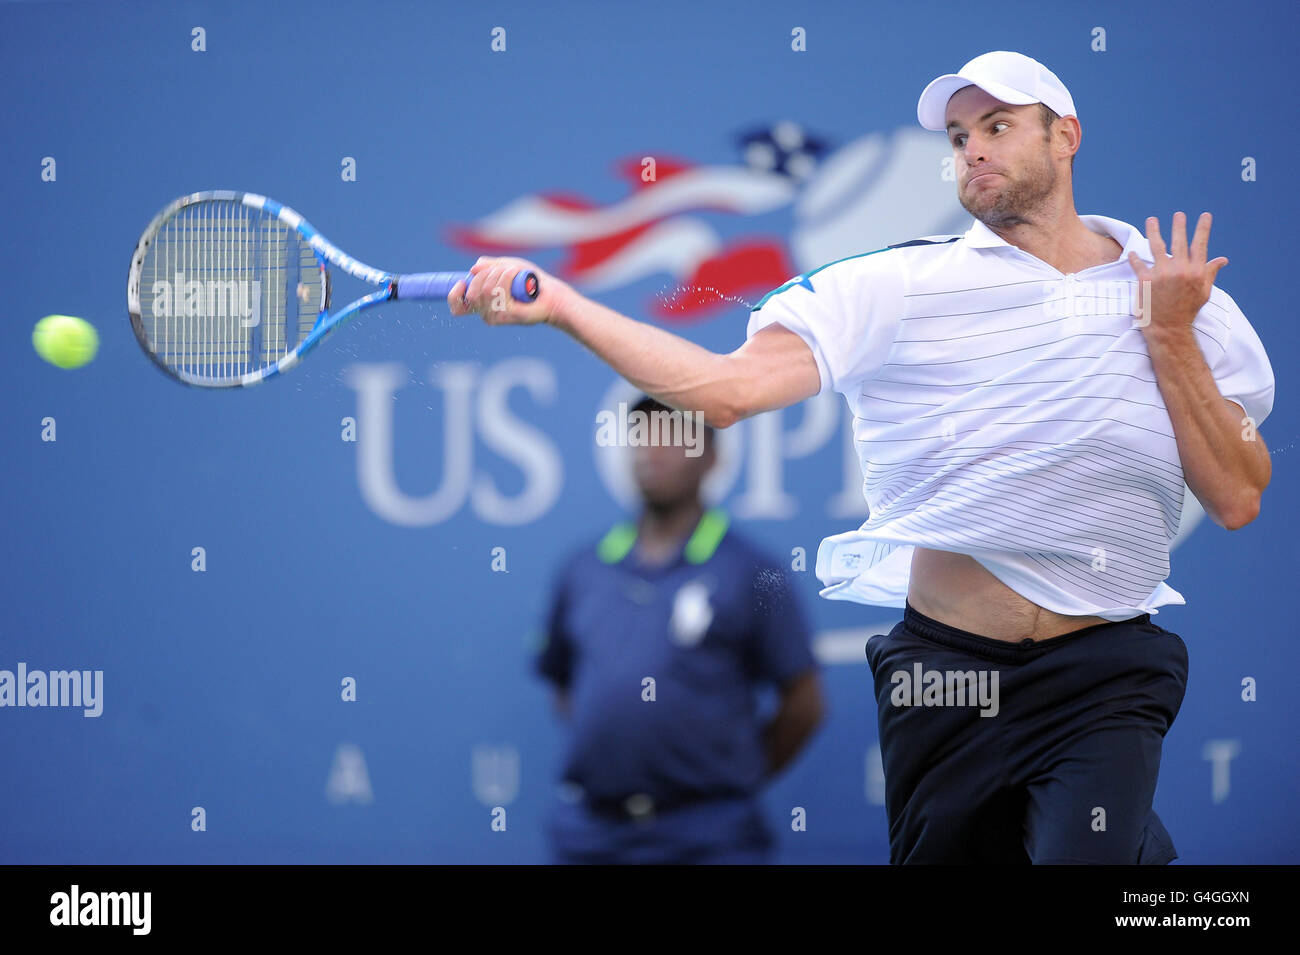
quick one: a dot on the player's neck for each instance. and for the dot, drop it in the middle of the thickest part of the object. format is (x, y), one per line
(661, 531)
(1059, 237)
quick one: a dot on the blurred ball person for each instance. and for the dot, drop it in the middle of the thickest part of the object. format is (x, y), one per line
(659, 639)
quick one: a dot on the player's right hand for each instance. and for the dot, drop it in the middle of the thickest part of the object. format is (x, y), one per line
(489, 293)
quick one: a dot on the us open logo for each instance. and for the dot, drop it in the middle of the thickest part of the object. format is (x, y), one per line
(692, 614)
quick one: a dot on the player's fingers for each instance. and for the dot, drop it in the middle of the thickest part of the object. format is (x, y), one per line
(1158, 250)
(1201, 240)
(1214, 267)
(1139, 267)
(488, 278)
(481, 294)
(503, 278)
(1178, 236)
(454, 299)
(476, 282)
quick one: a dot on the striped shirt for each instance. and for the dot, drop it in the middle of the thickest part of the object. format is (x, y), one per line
(1008, 411)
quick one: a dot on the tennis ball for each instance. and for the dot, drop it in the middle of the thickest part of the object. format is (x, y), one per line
(65, 340)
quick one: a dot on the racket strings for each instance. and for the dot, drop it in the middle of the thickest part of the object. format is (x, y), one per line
(227, 290)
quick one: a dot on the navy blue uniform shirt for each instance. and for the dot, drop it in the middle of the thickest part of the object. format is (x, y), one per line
(708, 627)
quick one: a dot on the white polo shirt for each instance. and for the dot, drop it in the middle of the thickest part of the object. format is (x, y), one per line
(1007, 411)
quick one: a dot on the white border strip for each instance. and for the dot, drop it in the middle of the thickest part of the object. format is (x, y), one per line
(847, 645)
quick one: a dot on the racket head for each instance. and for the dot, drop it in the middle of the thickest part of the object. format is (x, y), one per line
(226, 289)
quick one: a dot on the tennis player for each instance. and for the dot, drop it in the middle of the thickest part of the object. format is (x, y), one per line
(1030, 401)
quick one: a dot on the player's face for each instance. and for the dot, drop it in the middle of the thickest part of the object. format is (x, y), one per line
(667, 476)
(1001, 157)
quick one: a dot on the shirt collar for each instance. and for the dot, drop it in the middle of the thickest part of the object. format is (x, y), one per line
(980, 236)
(698, 549)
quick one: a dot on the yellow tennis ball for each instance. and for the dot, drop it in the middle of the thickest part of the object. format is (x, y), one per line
(65, 340)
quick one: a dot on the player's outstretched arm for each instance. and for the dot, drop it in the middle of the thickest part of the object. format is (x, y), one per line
(773, 369)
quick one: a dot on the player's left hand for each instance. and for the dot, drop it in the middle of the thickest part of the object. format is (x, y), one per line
(1181, 279)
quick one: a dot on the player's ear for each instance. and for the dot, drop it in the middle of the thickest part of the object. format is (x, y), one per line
(1070, 134)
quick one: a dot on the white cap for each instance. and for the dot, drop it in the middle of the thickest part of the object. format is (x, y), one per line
(1010, 77)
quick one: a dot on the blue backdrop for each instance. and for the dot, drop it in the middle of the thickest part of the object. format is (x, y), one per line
(405, 137)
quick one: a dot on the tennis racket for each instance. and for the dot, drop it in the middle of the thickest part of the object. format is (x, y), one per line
(228, 289)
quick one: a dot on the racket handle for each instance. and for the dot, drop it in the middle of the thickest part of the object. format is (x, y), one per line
(439, 285)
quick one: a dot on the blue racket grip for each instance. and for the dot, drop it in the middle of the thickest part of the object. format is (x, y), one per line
(439, 285)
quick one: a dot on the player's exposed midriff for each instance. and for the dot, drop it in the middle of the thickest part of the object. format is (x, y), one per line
(957, 590)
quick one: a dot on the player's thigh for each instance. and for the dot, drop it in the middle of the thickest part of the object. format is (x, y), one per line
(946, 787)
(925, 726)
(1092, 805)
(1090, 794)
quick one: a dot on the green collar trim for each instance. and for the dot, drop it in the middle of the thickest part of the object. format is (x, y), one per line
(614, 546)
(700, 548)
(707, 536)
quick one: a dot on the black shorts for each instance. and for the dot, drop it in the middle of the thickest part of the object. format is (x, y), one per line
(1017, 753)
